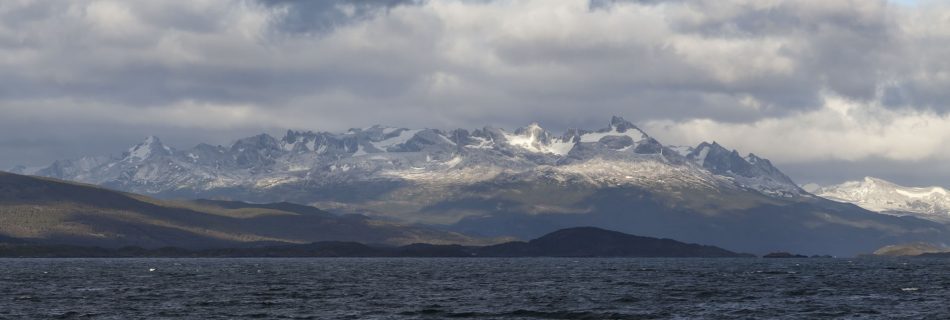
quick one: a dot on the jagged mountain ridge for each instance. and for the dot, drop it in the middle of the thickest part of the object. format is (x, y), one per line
(524, 183)
(879, 195)
(620, 154)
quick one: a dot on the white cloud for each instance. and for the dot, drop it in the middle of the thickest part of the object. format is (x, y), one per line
(842, 130)
(843, 80)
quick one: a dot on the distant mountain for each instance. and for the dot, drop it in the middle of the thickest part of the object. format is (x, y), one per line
(783, 255)
(932, 203)
(910, 249)
(595, 242)
(46, 211)
(523, 183)
(751, 170)
(574, 242)
(266, 168)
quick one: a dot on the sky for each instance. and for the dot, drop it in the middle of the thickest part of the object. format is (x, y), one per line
(828, 90)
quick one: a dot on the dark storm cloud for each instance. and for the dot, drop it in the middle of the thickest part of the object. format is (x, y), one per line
(131, 70)
(326, 15)
(102, 73)
(605, 4)
(401, 52)
(844, 48)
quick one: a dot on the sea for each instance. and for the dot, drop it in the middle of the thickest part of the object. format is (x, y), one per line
(474, 288)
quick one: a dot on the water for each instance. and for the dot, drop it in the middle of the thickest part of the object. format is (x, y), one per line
(414, 288)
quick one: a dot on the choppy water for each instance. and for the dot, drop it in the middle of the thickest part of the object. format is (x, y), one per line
(473, 288)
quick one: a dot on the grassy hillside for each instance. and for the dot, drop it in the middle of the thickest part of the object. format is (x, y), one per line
(50, 211)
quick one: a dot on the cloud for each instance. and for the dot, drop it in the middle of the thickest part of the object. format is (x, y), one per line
(702, 59)
(327, 15)
(694, 70)
(844, 130)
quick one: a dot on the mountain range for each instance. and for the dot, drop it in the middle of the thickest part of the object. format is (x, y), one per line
(264, 167)
(524, 183)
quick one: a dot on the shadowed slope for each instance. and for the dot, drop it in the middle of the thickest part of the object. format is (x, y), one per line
(574, 242)
(596, 242)
(50, 211)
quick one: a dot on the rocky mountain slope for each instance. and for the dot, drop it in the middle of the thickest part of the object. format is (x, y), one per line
(524, 183)
(932, 203)
(45, 211)
(265, 168)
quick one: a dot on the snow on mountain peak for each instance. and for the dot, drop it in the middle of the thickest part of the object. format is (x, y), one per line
(621, 135)
(534, 127)
(752, 158)
(751, 170)
(619, 128)
(151, 146)
(878, 181)
(533, 138)
(620, 125)
(394, 137)
(621, 152)
(883, 196)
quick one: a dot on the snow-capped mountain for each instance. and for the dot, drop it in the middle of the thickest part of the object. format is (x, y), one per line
(750, 171)
(620, 154)
(882, 196)
(524, 183)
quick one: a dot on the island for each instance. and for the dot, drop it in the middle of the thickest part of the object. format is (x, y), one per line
(571, 242)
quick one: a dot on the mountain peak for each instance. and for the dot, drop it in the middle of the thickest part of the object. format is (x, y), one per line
(614, 155)
(151, 146)
(752, 158)
(533, 131)
(261, 140)
(151, 140)
(710, 147)
(883, 196)
(291, 136)
(873, 180)
(621, 125)
(752, 170)
(532, 138)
